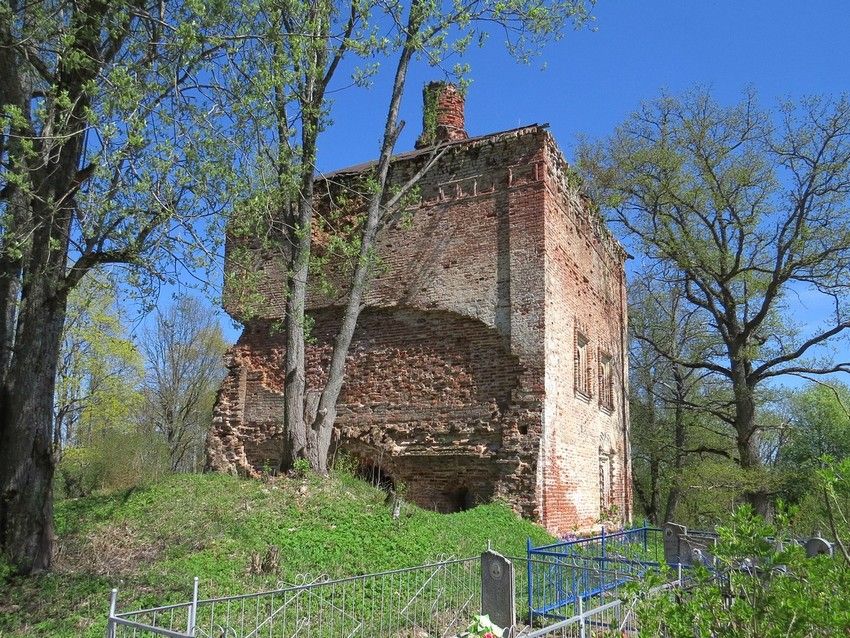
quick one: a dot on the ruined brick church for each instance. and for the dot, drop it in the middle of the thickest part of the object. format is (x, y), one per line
(490, 361)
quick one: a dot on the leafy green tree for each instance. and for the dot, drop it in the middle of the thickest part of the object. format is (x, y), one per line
(104, 159)
(676, 416)
(833, 483)
(745, 209)
(820, 424)
(184, 353)
(280, 80)
(100, 367)
(97, 392)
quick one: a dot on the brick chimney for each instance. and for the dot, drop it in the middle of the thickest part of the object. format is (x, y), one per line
(442, 114)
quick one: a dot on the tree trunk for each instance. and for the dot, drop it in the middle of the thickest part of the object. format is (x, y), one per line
(654, 489)
(26, 452)
(294, 387)
(745, 416)
(321, 432)
(678, 445)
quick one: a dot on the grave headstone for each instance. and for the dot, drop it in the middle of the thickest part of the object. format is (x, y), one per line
(817, 546)
(672, 550)
(498, 593)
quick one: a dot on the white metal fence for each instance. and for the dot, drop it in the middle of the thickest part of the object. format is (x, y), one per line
(436, 600)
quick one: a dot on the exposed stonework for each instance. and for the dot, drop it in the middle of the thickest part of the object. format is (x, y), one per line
(443, 117)
(461, 380)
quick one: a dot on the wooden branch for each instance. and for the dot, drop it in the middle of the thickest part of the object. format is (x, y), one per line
(796, 354)
(702, 449)
(702, 365)
(437, 153)
(834, 527)
(341, 49)
(123, 255)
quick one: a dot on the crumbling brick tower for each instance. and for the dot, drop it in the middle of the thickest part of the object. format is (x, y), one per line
(490, 361)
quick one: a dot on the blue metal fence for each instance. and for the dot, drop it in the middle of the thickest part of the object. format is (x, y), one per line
(560, 574)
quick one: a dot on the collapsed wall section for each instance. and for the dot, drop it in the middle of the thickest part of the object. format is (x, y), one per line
(428, 400)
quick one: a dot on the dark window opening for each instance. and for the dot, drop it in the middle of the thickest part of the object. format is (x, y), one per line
(460, 500)
(376, 476)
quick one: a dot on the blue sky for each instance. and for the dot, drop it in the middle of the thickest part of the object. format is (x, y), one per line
(594, 78)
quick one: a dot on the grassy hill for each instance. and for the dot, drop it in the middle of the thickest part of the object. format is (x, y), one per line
(150, 541)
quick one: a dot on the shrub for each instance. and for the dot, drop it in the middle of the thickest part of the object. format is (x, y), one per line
(765, 587)
(114, 460)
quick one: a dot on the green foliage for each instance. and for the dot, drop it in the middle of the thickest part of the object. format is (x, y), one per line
(301, 468)
(778, 593)
(114, 459)
(97, 383)
(6, 571)
(430, 99)
(820, 426)
(483, 627)
(742, 209)
(150, 541)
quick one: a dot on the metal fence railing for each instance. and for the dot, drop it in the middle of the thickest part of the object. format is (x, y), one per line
(562, 574)
(613, 618)
(437, 599)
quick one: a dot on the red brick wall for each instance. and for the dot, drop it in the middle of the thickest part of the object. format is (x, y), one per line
(427, 397)
(584, 293)
(445, 380)
(459, 380)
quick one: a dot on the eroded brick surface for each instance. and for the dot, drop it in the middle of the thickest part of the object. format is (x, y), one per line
(460, 379)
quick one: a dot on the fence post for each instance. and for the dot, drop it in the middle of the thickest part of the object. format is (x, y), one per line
(680, 574)
(645, 539)
(113, 603)
(602, 564)
(528, 554)
(193, 609)
(581, 617)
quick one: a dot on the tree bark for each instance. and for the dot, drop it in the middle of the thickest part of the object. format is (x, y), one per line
(745, 413)
(26, 442)
(322, 426)
(678, 445)
(294, 389)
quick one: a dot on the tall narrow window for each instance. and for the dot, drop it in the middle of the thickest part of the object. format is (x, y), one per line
(606, 382)
(604, 484)
(582, 365)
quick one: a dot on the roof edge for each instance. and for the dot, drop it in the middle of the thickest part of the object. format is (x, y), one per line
(470, 142)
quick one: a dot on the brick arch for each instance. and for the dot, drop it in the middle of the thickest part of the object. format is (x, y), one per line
(426, 397)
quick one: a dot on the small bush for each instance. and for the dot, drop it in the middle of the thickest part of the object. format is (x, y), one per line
(763, 588)
(301, 468)
(6, 570)
(114, 460)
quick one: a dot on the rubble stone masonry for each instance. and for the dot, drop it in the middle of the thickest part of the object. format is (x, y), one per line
(461, 379)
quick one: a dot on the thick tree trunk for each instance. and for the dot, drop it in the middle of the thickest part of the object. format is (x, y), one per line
(294, 388)
(26, 442)
(678, 446)
(654, 491)
(745, 418)
(9, 292)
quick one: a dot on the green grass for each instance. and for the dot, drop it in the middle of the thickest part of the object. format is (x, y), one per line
(151, 541)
